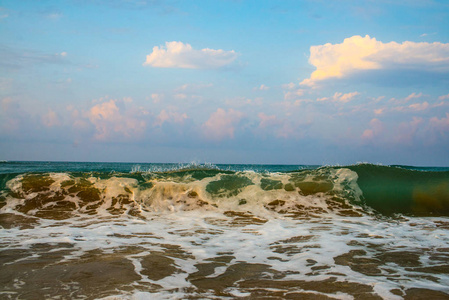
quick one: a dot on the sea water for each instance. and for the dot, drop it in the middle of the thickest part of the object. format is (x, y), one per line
(204, 231)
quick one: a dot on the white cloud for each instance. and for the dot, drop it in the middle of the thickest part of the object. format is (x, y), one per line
(180, 55)
(289, 86)
(180, 96)
(262, 87)
(157, 98)
(427, 34)
(293, 94)
(365, 53)
(221, 124)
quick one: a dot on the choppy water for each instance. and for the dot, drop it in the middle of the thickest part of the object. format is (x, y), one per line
(170, 231)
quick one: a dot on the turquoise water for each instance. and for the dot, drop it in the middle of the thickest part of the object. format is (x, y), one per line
(42, 166)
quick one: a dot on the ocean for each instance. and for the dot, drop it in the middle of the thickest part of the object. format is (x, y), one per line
(71, 230)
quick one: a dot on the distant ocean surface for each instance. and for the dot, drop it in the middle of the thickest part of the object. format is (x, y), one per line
(71, 230)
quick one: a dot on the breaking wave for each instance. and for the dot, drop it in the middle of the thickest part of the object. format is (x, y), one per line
(349, 191)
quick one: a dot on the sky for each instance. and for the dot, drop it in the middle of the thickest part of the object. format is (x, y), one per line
(225, 81)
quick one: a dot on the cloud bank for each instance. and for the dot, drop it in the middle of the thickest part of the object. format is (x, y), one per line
(358, 53)
(180, 55)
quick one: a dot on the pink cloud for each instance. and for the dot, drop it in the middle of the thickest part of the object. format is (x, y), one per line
(170, 116)
(157, 98)
(345, 98)
(221, 124)
(293, 94)
(266, 120)
(441, 125)
(413, 96)
(109, 121)
(443, 97)
(407, 130)
(340, 97)
(419, 106)
(10, 114)
(50, 119)
(376, 128)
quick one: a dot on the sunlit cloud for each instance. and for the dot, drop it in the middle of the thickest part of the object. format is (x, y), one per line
(222, 124)
(110, 121)
(345, 98)
(340, 97)
(180, 55)
(413, 96)
(419, 106)
(358, 54)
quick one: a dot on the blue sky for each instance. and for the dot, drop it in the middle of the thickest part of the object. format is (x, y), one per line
(289, 82)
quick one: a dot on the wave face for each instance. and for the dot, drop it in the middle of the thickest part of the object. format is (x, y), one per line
(170, 231)
(353, 190)
(405, 190)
